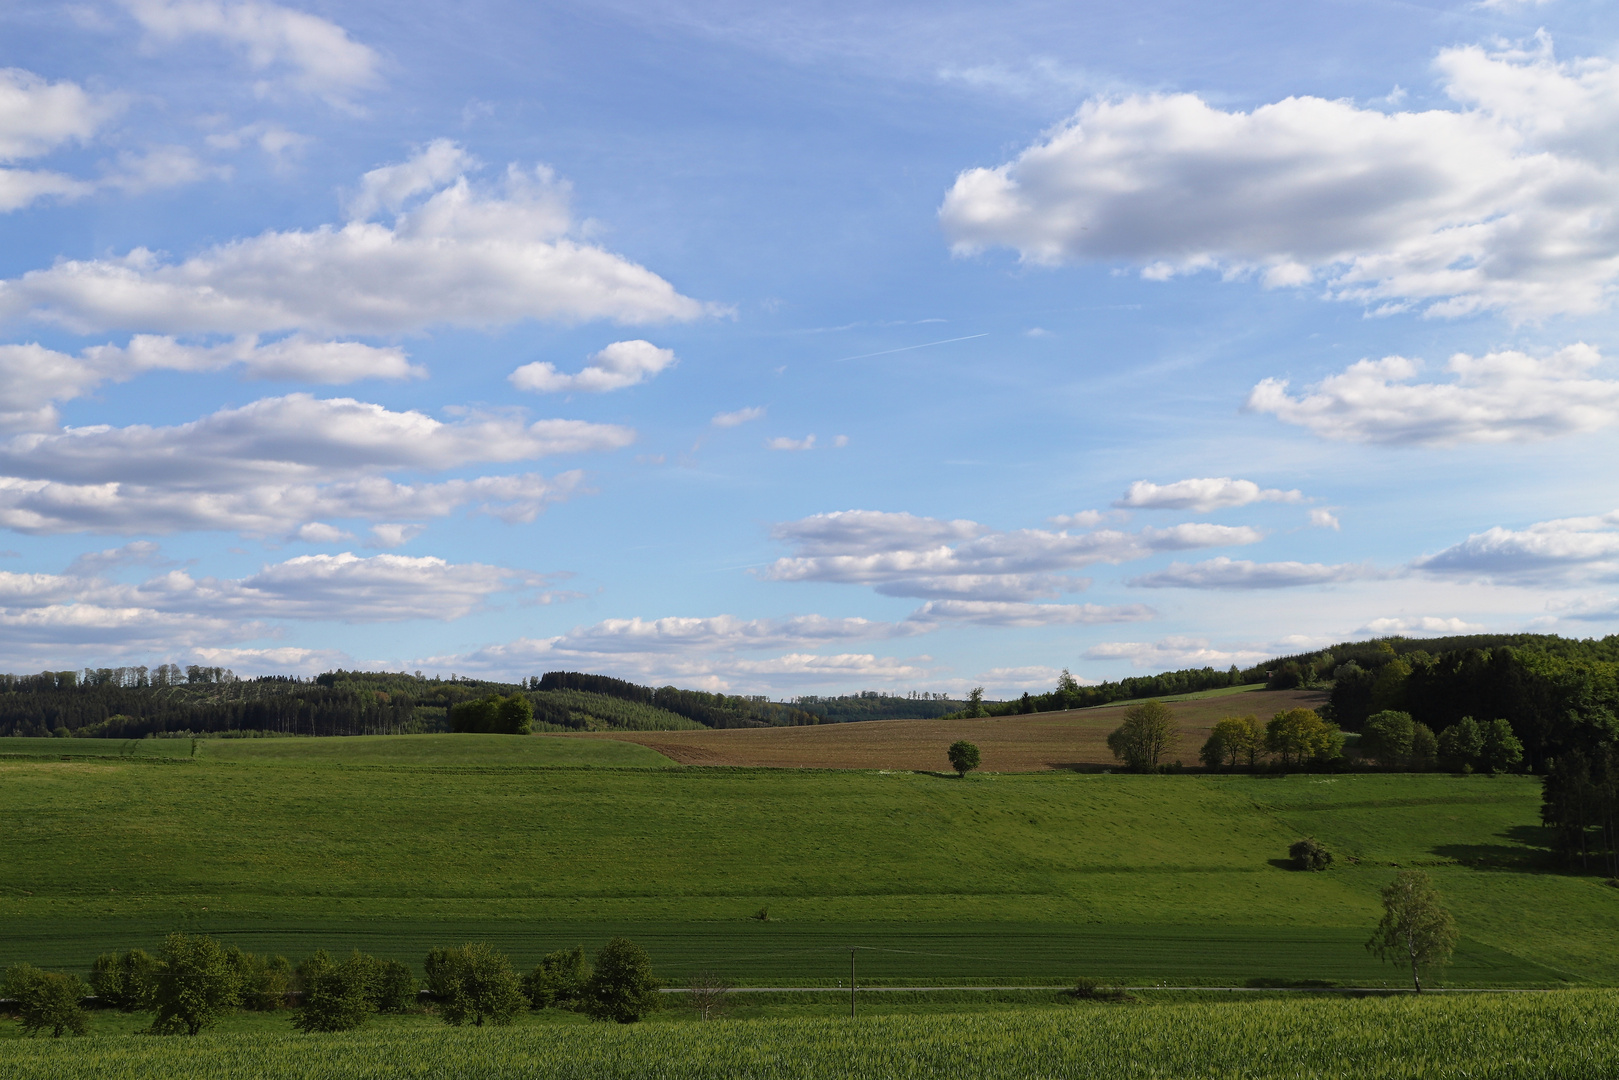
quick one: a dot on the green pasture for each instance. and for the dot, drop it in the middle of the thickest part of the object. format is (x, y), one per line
(1559, 1036)
(285, 844)
(434, 750)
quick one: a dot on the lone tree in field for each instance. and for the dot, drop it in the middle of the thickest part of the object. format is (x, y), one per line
(1309, 854)
(1148, 731)
(963, 757)
(194, 986)
(45, 1000)
(621, 987)
(1415, 929)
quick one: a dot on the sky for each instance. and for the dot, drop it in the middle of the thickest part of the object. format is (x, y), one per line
(802, 349)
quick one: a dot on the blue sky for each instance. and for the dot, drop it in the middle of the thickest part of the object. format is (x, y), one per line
(802, 349)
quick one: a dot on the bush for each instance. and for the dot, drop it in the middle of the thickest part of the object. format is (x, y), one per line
(46, 1001)
(1309, 854)
(195, 985)
(622, 987)
(559, 981)
(390, 987)
(1096, 990)
(126, 982)
(335, 995)
(474, 983)
(264, 980)
(963, 757)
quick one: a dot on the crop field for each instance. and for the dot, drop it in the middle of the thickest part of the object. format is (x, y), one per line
(397, 844)
(1076, 739)
(1568, 1035)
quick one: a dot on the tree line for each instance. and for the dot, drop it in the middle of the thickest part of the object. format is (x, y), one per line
(195, 981)
(710, 710)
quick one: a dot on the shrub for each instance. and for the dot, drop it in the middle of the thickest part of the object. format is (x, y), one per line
(335, 997)
(559, 980)
(195, 985)
(474, 983)
(1096, 990)
(125, 982)
(963, 757)
(264, 980)
(390, 987)
(1309, 854)
(46, 1001)
(622, 987)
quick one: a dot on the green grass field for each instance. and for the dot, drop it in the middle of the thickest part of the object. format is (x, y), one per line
(396, 844)
(1561, 1036)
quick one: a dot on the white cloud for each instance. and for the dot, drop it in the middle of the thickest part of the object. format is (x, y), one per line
(708, 652)
(37, 116)
(621, 364)
(1018, 679)
(737, 418)
(1202, 495)
(1423, 624)
(1588, 609)
(1321, 518)
(1173, 652)
(21, 187)
(314, 55)
(83, 609)
(33, 378)
(1085, 519)
(390, 187)
(1018, 613)
(1499, 397)
(1509, 201)
(1547, 552)
(905, 555)
(159, 167)
(392, 534)
(279, 463)
(462, 257)
(784, 443)
(1224, 573)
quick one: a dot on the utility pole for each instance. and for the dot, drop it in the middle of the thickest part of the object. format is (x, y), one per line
(851, 984)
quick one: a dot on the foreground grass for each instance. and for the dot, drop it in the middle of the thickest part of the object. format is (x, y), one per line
(1003, 879)
(1563, 1035)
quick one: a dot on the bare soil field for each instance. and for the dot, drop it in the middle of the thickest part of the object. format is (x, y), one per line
(1076, 739)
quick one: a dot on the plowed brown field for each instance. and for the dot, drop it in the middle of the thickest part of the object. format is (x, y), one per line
(1058, 740)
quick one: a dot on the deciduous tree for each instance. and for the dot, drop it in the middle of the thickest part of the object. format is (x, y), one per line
(46, 1000)
(621, 987)
(1415, 929)
(963, 757)
(195, 985)
(1235, 740)
(1299, 735)
(474, 983)
(1148, 731)
(1386, 738)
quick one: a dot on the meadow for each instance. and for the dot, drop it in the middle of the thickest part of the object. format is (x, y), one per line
(1567, 1034)
(396, 844)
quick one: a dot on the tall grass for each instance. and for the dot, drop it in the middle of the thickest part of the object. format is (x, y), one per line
(1567, 1034)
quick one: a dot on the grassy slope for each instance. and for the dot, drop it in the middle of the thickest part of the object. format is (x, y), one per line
(1524, 1037)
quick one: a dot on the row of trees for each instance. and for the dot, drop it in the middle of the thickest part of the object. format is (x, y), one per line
(710, 710)
(194, 982)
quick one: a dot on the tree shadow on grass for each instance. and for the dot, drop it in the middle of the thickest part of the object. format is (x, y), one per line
(1528, 849)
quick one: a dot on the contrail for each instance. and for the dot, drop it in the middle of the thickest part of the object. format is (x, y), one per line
(908, 348)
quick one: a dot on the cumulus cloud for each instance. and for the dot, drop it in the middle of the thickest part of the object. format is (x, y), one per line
(1019, 613)
(621, 364)
(737, 418)
(1224, 573)
(279, 463)
(1420, 624)
(1566, 550)
(33, 378)
(1508, 201)
(1202, 495)
(905, 555)
(710, 652)
(36, 117)
(1321, 518)
(176, 611)
(463, 256)
(1498, 397)
(390, 187)
(308, 52)
(1173, 652)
